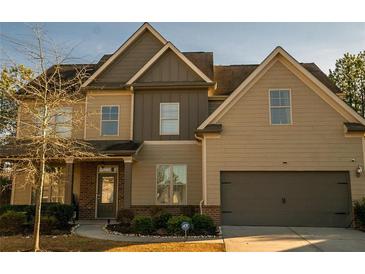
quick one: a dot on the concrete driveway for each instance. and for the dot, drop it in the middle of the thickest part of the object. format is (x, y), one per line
(313, 239)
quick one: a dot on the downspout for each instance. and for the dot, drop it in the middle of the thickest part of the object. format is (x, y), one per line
(202, 201)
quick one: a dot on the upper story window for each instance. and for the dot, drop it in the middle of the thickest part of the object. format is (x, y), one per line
(60, 122)
(169, 118)
(280, 107)
(63, 122)
(109, 120)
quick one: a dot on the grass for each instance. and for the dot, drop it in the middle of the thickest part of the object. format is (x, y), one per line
(66, 243)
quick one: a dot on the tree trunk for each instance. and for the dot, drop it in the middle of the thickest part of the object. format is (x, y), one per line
(38, 208)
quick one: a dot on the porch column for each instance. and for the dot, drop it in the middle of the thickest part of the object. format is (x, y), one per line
(127, 183)
(69, 180)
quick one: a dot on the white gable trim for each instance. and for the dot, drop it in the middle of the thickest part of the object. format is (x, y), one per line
(169, 45)
(130, 40)
(259, 71)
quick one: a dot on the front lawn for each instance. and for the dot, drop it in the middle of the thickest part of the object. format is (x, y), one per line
(76, 243)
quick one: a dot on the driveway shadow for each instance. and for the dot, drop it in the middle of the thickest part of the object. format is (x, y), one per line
(272, 239)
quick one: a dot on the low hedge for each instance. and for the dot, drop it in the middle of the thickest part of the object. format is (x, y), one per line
(160, 220)
(63, 213)
(203, 225)
(142, 225)
(12, 222)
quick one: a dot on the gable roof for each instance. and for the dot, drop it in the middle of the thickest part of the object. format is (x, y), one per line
(228, 78)
(117, 53)
(153, 60)
(240, 90)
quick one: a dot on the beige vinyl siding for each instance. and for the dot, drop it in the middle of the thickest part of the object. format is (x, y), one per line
(21, 192)
(170, 68)
(315, 141)
(26, 120)
(95, 100)
(144, 170)
(131, 60)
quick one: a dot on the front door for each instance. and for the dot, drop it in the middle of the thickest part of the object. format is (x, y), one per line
(106, 195)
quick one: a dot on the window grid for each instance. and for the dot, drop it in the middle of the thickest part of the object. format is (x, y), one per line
(109, 116)
(165, 119)
(278, 101)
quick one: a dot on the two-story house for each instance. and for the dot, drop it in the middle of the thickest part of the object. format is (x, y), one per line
(266, 144)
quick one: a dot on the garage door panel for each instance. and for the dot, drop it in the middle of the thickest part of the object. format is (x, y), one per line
(285, 198)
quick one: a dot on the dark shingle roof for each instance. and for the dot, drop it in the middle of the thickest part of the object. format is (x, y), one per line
(112, 147)
(211, 128)
(228, 78)
(203, 60)
(355, 127)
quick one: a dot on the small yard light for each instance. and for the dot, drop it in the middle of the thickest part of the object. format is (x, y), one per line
(359, 170)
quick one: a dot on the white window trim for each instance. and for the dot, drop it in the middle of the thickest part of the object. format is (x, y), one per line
(178, 119)
(171, 189)
(101, 120)
(291, 106)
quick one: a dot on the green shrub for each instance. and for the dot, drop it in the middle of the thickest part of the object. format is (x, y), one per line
(160, 220)
(174, 224)
(11, 222)
(125, 216)
(203, 225)
(142, 225)
(63, 213)
(27, 209)
(48, 224)
(359, 211)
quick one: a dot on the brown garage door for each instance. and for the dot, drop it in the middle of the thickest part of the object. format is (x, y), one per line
(286, 198)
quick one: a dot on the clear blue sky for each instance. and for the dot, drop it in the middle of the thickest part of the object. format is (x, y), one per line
(232, 43)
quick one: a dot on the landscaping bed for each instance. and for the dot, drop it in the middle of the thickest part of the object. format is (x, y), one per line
(162, 224)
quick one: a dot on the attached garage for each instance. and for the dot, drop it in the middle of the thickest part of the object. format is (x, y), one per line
(286, 198)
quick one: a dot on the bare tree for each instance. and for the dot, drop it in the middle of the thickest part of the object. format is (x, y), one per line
(49, 108)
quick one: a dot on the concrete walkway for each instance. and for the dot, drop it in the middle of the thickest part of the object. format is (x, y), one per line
(250, 238)
(94, 229)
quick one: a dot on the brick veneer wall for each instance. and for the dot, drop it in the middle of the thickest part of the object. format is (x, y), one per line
(214, 212)
(88, 176)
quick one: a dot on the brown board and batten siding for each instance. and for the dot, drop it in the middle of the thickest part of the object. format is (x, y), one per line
(193, 111)
(169, 68)
(151, 155)
(314, 142)
(131, 60)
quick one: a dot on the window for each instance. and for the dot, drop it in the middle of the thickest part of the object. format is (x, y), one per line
(60, 122)
(109, 120)
(171, 184)
(63, 122)
(280, 107)
(169, 119)
(54, 185)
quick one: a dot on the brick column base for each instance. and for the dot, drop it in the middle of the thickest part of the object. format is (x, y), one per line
(213, 212)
